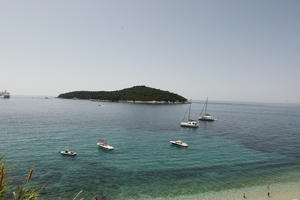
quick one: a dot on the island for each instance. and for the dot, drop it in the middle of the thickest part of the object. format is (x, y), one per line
(136, 94)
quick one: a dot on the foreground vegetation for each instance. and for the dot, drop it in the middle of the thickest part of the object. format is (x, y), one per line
(24, 191)
(136, 93)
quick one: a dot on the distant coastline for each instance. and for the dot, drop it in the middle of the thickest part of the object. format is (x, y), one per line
(136, 94)
(142, 102)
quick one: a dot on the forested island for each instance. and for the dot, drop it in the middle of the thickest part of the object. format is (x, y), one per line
(136, 94)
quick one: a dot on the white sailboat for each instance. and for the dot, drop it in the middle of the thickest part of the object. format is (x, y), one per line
(206, 116)
(190, 123)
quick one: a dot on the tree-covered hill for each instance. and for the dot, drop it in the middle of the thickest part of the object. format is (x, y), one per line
(136, 93)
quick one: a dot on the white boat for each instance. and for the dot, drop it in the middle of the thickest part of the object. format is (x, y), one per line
(5, 94)
(206, 116)
(190, 123)
(179, 143)
(102, 144)
(68, 153)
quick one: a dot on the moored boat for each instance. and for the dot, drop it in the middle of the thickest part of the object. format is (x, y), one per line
(68, 153)
(102, 144)
(206, 116)
(179, 143)
(5, 94)
(189, 123)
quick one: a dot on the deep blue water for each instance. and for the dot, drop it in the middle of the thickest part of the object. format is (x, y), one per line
(250, 144)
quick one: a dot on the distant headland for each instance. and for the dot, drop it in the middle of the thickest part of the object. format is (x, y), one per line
(136, 94)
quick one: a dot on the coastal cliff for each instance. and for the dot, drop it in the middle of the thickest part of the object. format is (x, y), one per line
(136, 94)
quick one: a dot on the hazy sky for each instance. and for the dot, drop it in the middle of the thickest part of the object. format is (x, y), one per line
(241, 50)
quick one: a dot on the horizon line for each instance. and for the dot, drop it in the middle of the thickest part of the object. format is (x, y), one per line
(196, 100)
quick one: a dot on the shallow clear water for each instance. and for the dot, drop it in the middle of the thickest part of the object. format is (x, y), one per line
(249, 145)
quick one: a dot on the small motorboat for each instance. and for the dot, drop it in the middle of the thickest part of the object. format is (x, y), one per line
(68, 153)
(102, 144)
(179, 143)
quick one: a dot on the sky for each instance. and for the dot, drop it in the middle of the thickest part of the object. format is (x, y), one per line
(233, 50)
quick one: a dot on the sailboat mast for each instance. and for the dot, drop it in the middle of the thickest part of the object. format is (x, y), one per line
(189, 111)
(206, 105)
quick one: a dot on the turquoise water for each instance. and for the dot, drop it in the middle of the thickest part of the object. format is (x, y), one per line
(250, 144)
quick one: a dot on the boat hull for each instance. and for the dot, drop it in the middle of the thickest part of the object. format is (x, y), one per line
(207, 119)
(68, 154)
(105, 146)
(188, 125)
(182, 144)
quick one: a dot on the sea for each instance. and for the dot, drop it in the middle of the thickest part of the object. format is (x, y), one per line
(251, 149)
